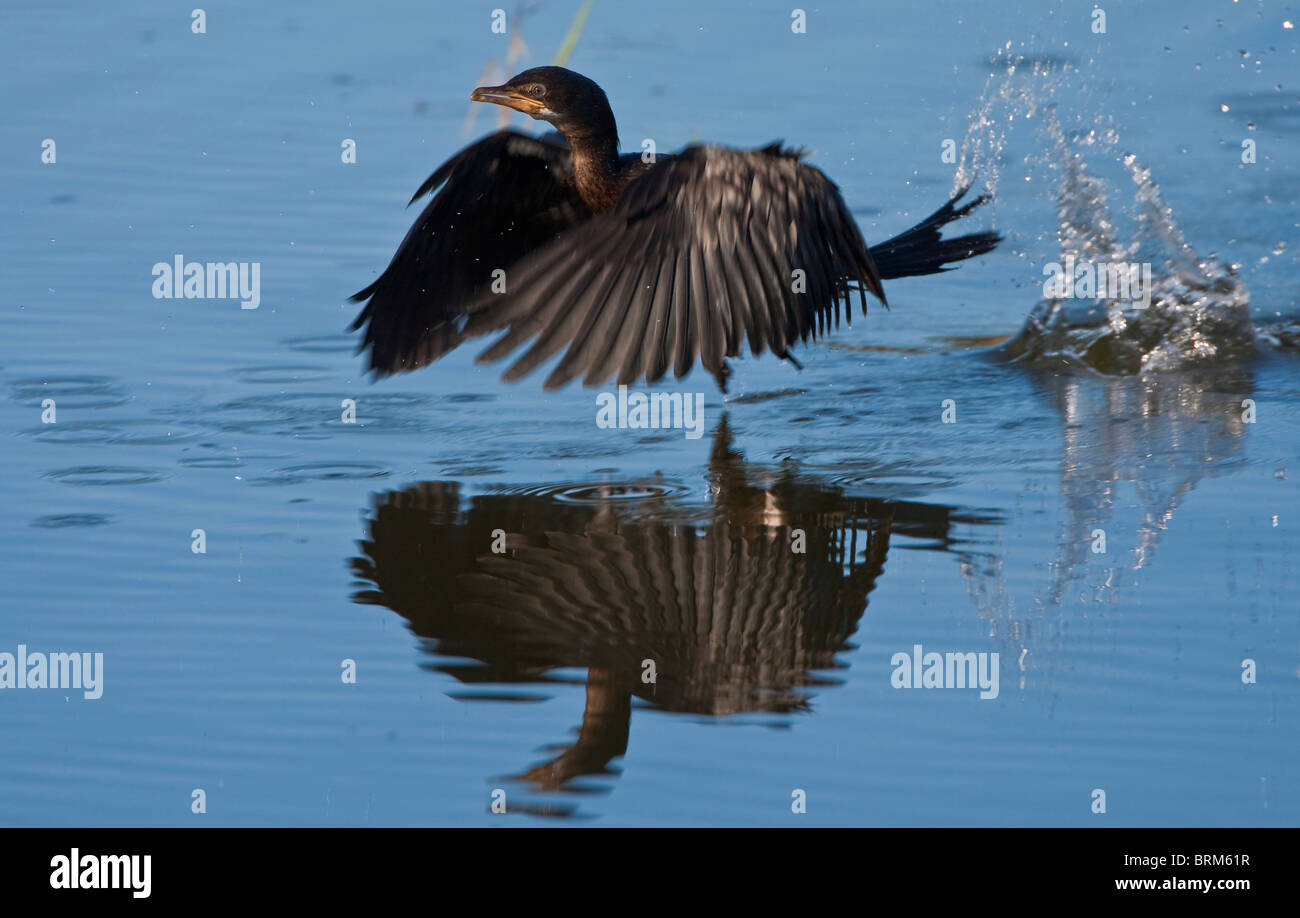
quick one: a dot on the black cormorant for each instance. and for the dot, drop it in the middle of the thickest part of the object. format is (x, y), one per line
(632, 268)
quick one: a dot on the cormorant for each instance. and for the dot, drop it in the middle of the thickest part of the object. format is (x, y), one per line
(631, 267)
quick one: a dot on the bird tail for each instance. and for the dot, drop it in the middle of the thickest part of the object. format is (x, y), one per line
(920, 250)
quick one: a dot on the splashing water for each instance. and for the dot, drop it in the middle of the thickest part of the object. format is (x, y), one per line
(1122, 305)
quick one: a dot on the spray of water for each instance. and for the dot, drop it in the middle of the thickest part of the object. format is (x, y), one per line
(1194, 310)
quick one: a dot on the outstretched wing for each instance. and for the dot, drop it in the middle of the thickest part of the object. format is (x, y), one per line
(495, 200)
(701, 252)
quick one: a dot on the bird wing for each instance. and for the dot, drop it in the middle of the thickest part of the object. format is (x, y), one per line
(699, 253)
(494, 200)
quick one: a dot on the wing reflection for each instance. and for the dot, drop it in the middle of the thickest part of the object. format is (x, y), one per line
(708, 610)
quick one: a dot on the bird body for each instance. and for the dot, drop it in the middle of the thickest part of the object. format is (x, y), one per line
(631, 268)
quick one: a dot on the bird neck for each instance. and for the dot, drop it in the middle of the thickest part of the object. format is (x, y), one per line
(596, 170)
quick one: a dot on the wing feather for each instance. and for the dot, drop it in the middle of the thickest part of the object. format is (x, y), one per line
(497, 199)
(695, 258)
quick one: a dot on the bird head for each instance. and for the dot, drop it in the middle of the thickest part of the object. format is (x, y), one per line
(554, 94)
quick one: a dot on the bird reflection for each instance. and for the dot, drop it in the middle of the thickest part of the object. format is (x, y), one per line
(738, 606)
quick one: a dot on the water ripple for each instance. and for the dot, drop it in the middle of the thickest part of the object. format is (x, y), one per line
(321, 344)
(602, 492)
(72, 520)
(107, 433)
(324, 471)
(97, 475)
(309, 414)
(83, 392)
(280, 375)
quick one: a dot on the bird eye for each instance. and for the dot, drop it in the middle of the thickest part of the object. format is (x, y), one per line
(536, 89)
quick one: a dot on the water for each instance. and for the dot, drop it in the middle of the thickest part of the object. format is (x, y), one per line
(524, 671)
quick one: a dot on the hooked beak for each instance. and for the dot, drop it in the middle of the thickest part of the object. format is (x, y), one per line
(510, 98)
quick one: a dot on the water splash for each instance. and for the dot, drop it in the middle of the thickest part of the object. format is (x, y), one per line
(1013, 90)
(1194, 310)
